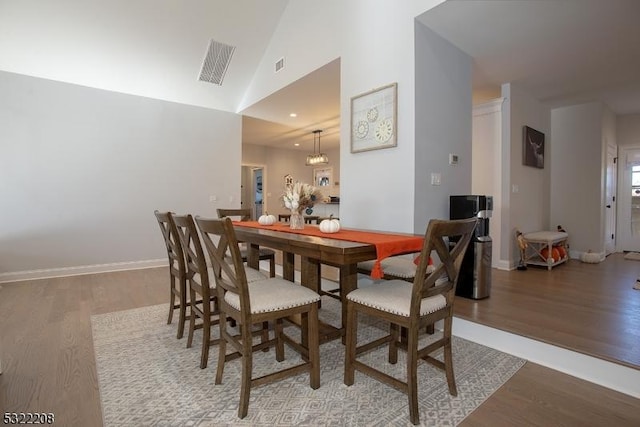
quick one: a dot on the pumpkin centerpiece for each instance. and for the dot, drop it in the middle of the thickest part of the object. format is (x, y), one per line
(330, 225)
(267, 219)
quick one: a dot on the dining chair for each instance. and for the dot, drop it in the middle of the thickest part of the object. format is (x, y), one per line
(284, 217)
(269, 300)
(412, 305)
(395, 267)
(203, 298)
(311, 219)
(264, 253)
(177, 269)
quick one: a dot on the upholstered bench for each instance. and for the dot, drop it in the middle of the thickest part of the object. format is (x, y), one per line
(546, 248)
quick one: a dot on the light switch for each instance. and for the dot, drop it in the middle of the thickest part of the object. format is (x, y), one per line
(435, 179)
(213, 198)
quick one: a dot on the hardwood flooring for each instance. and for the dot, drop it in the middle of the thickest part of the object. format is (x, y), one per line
(588, 308)
(47, 353)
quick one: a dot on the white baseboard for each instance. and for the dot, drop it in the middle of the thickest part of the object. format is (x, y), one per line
(76, 271)
(503, 264)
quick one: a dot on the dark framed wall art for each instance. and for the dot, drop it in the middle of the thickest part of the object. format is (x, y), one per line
(533, 148)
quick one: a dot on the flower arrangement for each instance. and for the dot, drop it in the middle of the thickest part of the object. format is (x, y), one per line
(300, 196)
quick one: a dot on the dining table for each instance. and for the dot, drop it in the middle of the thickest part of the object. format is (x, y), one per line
(343, 250)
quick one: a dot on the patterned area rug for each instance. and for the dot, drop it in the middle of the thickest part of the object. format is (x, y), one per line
(148, 378)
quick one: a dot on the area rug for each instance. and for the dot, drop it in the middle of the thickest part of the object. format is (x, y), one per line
(635, 256)
(148, 378)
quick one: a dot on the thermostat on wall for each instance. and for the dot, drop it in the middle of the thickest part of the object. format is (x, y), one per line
(453, 159)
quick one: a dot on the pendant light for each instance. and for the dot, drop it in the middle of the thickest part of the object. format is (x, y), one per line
(317, 158)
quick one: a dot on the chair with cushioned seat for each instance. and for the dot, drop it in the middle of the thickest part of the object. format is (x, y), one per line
(203, 298)
(394, 267)
(412, 305)
(265, 253)
(177, 269)
(269, 300)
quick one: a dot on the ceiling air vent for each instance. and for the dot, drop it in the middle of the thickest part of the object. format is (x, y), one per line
(279, 64)
(216, 62)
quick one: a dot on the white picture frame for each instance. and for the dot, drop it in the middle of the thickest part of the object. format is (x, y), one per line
(323, 180)
(374, 119)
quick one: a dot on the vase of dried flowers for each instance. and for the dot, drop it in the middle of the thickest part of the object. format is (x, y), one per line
(298, 197)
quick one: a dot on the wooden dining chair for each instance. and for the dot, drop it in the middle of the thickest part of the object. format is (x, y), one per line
(264, 253)
(412, 305)
(284, 217)
(202, 295)
(311, 219)
(398, 267)
(177, 269)
(269, 300)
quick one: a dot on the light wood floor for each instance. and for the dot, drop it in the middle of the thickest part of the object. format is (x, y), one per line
(47, 353)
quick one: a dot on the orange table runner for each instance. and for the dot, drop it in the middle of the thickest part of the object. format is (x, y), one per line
(386, 244)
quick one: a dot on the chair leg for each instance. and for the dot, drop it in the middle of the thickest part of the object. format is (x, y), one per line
(272, 266)
(183, 308)
(172, 298)
(222, 351)
(350, 350)
(448, 357)
(247, 368)
(265, 335)
(314, 346)
(412, 376)
(394, 331)
(192, 318)
(206, 336)
(279, 340)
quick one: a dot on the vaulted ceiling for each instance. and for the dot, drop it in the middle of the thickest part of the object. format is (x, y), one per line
(560, 51)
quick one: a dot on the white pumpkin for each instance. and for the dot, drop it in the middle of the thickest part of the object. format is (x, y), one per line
(330, 225)
(267, 219)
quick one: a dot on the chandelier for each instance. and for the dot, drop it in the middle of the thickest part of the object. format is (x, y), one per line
(317, 158)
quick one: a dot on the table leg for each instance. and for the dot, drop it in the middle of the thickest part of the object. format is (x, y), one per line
(348, 283)
(310, 278)
(288, 267)
(253, 256)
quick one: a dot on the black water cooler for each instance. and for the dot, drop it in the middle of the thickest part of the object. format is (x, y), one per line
(475, 274)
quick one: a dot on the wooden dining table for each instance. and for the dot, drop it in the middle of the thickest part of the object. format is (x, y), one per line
(315, 250)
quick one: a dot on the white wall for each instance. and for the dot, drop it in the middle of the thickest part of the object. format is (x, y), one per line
(442, 126)
(131, 46)
(628, 129)
(486, 168)
(377, 187)
(83, 169)
(528, 207)
(309, 35)
(577, 175)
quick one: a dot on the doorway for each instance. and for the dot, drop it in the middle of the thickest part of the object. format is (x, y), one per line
(610, 201)
(253, 189)
(629, 199)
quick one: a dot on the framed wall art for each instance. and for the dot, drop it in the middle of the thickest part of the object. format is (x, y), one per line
(374, 119)
(533, 148)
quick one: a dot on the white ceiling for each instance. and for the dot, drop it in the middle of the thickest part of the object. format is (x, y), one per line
(560, 51)
(315, 99)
